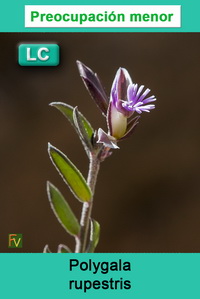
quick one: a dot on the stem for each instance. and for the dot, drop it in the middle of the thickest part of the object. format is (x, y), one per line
(87, 206)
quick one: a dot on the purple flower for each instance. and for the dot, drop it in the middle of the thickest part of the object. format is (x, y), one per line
(125, 99)
(128, 97)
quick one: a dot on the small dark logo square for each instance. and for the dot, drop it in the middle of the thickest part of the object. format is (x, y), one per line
(14, 240)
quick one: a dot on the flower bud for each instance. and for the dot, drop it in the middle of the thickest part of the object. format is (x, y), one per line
(117, 123)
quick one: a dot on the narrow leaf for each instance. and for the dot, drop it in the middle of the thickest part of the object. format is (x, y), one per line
(70, 174)
(81, 129)
(67, 111)
(94, 87)
(46, 249)
(63, 249)
(94, 235)
(62, 210)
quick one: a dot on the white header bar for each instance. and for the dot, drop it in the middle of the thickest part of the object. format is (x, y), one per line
(102, 16)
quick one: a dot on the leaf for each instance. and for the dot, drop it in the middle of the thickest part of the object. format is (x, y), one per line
(46, 249)
(94, 235)
(70, 174)
(81, 129)
(62, 210)
(67, 111)
(94, 87)
(63, 249)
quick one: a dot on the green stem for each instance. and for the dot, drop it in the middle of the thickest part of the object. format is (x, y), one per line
(87, 206)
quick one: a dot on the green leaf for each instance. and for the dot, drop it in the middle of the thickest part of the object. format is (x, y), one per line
(70, 174)
(46, 249)
(63, 249)
(94, 235)
(67, 111)
(78, 122)
(62, 210)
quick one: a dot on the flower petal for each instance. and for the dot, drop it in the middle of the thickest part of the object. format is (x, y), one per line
(149, 99)
(117, 121)
(131, 127)
(145, 93)
(139, 92)
(145, 108)
(120, 84)
(107, 140)
(94, 87)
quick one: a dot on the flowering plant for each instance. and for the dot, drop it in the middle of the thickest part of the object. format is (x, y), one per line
(126, 100)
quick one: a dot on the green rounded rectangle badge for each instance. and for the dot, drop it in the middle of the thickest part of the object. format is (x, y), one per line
(38, 55)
